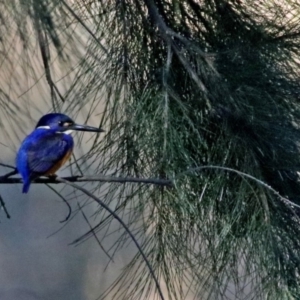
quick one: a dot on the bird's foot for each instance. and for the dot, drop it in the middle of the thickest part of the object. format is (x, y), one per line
(52, 176)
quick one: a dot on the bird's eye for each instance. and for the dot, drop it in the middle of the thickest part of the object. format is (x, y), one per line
(67, 124)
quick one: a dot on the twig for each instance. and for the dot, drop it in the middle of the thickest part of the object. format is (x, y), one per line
(262, 183)
(165, 33)
(64, 200)
(7, 166)
(14, 172)
(45, 53)
(166, 94)
(97, 226)
(94, 178)
(93, 232)
(2, 203)
(106, 207)
(71, 11)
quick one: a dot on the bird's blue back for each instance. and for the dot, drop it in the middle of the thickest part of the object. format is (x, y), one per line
(40, 151)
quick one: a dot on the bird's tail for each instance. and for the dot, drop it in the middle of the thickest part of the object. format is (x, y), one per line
(26, 186)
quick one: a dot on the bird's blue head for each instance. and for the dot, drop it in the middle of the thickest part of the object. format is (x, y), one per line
(63, 123)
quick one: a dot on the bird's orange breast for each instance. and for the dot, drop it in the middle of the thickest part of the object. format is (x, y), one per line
(59, 164)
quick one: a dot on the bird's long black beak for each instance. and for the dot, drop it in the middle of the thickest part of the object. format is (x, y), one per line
(78, 127)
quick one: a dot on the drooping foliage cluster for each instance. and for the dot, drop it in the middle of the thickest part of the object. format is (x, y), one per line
(187, 84)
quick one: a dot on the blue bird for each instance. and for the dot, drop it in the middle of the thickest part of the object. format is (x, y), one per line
(48, 147)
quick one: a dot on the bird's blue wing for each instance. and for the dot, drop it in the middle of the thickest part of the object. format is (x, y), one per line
(40, 151)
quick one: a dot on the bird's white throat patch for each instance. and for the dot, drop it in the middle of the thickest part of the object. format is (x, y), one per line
(43, 127)
(64, 132)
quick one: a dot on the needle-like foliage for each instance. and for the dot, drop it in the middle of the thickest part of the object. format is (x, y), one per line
(187, 83)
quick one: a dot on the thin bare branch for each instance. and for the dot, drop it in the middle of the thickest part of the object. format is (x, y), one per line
(95, 178)
(94, 234)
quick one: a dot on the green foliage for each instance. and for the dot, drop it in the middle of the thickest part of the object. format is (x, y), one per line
(192, 83)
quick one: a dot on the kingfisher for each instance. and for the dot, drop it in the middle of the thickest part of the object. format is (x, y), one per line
(48, 147)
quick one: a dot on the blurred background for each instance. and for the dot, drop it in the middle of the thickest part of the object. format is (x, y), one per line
(177, 85)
